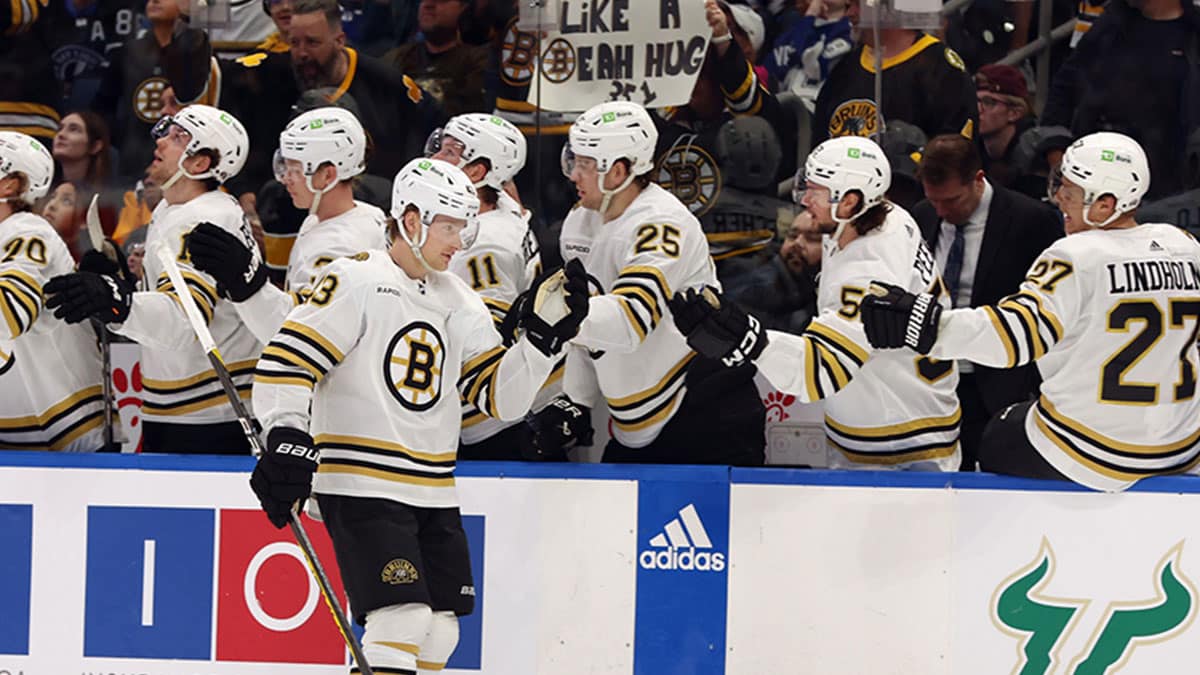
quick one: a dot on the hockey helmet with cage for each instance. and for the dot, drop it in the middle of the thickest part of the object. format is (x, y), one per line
(434, 188)
(1105, 163)
(210, 129)
(843, 165)
(487, 137)
(22, 154)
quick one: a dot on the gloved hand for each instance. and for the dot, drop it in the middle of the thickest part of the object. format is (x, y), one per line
(239, 273)
(893, 318)
(551, 311)
(283, 477)
(715, 329)
(87, 295)
(111, 261)
(551, 431)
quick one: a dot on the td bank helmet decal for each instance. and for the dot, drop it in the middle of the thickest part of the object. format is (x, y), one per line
(1042, 623)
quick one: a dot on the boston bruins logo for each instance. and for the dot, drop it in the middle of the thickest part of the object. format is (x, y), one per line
(558, 61)
(412, 366)
(855, 117)
(690, 173)
(148, 99)
(517, 56)
(399, 571)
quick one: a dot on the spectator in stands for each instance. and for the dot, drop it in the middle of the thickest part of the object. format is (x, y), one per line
(83, 151)
(29, 93)
(64, 211)
(84, 35)
(809, 45)
(984, 238)
(280, 12)
(924, 83)
(262, 88)
(781, 288)
(1039, 152)
(1004, 114)
(132, 95)
(704, 146)
(442, 64)
(1137, 72)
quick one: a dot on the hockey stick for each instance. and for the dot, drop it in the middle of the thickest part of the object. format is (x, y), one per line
(96, 236)
(248, 427)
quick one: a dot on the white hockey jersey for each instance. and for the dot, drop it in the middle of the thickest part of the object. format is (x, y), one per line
(628, 346)
(179, 385)
(319, 242)
(1111, 317)
(883, 409)
(50, 371)
(500, 265)
(381, 361)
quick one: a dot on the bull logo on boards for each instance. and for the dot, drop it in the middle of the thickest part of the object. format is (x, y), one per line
(1021, 608)
(412, 366)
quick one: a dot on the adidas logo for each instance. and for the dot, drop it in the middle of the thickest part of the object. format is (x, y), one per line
(1154, 246)
(682, 546)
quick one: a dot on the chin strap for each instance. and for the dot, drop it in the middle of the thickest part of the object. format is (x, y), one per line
(181, 172)
(1106, 221)
(312, 208)
(416, 246)
(609, 194)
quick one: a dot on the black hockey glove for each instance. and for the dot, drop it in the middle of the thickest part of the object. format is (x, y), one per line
(893, 318)
(548, 434)
(111, 261)
(87, 295)
(239, 273)
(283, 477)
(715, 329)
(551, 311)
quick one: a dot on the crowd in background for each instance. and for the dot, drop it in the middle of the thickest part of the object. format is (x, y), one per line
(90, 79)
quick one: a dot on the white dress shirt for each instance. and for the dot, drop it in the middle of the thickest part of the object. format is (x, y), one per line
(972, 243)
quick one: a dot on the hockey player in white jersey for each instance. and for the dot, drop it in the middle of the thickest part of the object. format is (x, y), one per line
(882, 409)
(1110, 314)
(50, 372)
(184, 408)
(640, 243)
(320, 152)
(361, 386)
(502, 263)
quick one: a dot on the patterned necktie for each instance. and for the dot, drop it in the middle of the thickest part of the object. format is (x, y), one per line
(954, 263)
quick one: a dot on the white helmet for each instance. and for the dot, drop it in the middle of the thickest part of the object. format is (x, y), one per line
(844, 164)
(1107, 163)
(21, 153)
(210, 129)
(484, 137)
(435, 188)
(325, 135)
(609, 132)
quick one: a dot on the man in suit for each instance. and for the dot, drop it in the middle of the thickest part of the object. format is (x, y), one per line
(984, 237)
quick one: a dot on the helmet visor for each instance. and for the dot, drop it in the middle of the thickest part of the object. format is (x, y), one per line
(445, 147)
(1053, 184)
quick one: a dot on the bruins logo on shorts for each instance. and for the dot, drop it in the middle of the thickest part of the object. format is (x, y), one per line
(6, 361)
(517, 55)
(399, 571)
(558, 61)
(691, 174)
(855, 117)
(412, 366)
(148, 99)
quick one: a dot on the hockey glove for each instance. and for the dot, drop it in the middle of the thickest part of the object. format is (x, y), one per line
(715, 329)
(893, 318)
(551, 431)
(283, 477)
(239, 273)
(551, 311)
(111, 261)
(87, 295)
